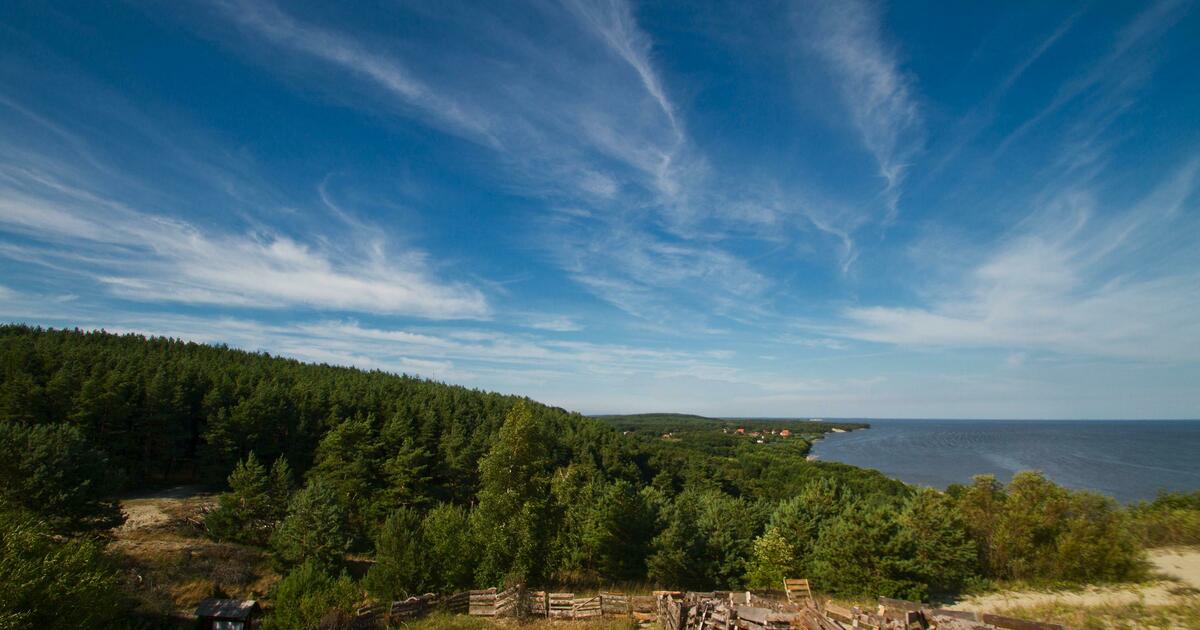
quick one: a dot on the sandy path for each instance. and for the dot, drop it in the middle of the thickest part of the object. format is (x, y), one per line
(1180, 566)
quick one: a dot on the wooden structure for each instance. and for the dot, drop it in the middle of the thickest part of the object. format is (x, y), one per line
(228, 614)
(793, 608)
(798, 591)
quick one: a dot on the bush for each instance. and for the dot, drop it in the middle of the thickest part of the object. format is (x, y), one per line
(309, 595)
(861, 553)
(1034, 530)
(446, 530)
(50, 583)
(936, 544)
(1171, 519)
(772, 561)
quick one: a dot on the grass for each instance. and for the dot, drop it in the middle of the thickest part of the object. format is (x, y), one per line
(169, 566)
(1181, 614)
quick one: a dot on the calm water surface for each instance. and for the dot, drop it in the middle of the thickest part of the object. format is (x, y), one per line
(1126, 459)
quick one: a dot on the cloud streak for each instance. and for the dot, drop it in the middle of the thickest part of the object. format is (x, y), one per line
(155, 258)
(879, 95)
(1065, 284)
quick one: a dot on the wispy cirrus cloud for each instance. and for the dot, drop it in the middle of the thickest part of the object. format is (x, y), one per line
(873, 87)
(281, 29)
(152, 257)
(591, 123)
(1066, 283)
(1104, 87)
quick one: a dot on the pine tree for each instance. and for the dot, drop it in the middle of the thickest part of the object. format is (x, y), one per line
(53, 471)
(401, 560)
(53, 583)
(512, 520)
(247, 512)
(314, 529)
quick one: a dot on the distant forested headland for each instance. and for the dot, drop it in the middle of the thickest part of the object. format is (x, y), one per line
(444, 488)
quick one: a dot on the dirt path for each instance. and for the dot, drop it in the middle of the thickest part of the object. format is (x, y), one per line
(1180, 567)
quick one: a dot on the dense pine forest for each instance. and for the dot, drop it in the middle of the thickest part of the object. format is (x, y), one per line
(444, 488)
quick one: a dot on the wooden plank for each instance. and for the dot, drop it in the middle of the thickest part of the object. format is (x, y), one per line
(839, 612)
(751, 613)
(1012, 623)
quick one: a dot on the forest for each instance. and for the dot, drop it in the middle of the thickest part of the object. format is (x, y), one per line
(446, 488)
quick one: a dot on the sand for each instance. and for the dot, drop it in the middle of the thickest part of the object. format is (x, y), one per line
(1180, 569)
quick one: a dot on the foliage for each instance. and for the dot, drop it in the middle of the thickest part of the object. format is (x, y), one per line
(772, 561)
(706, 539)
(308, 594)
(937, 547)
(1170, 519)
(799, 520)
(476, 488)
(512, 522)
(256, 503)
(861, 553)
(1037, 531)
(400, 568)
(52, 471)
(314, 528)
(451, 557)
(53, 583)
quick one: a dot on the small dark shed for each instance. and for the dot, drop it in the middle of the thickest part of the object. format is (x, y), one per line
(228, 614)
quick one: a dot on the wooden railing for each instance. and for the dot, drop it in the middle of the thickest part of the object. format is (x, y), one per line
(676, 610)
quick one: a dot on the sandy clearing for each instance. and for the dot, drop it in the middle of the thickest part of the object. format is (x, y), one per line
(1180, 566)
(141, 514)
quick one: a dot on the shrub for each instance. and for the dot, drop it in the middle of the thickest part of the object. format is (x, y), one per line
(308, 595)
(53, 583)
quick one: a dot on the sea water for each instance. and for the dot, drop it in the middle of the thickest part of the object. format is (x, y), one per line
(1129, 460)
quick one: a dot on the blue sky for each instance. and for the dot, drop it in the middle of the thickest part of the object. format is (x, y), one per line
(849, 209)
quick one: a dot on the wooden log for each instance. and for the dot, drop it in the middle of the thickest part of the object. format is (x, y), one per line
(1012, 623)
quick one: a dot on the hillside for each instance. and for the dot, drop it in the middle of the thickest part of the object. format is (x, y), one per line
(333, 486)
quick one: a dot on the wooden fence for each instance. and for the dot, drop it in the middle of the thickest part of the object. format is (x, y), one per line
(675, 610)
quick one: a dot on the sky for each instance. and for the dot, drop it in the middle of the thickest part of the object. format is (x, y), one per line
(794, 209)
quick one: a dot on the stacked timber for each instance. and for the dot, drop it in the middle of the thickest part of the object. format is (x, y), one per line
(411, 608)
(672, 612)
(586, 608)
(755, 618)
(458, 603)
(561, 605)
(614, 604)
(711, 614)
(644, 609)
(482, 603)
(511, 602)
(539, 604)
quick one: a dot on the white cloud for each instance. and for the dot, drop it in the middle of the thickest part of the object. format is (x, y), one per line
(555, 324)
(848, 35)
(1123, 285)
(153, 258)
(281, 29)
